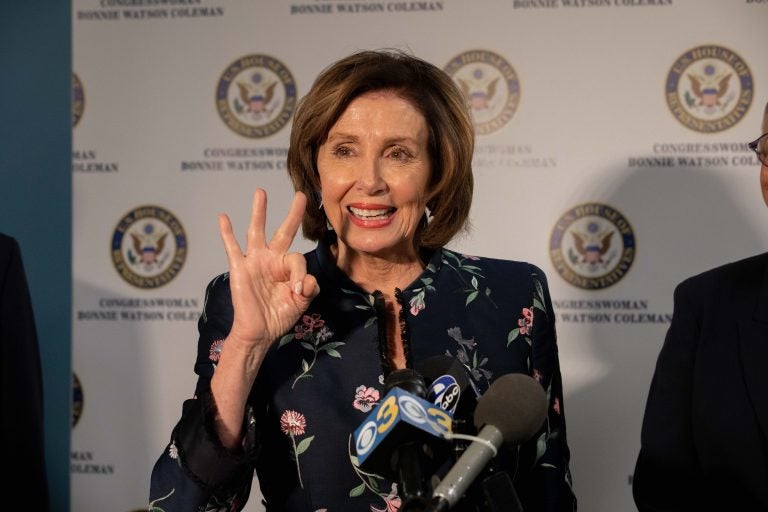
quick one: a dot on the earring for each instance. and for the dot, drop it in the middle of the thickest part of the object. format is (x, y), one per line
(320, 207)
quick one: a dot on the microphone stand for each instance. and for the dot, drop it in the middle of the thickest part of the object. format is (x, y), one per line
(409, 464)
(494, 493)
(408, 459)
(499, 493)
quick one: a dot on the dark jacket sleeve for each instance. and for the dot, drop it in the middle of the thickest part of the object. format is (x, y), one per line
(550, 485)
(666, 470)
(196, 470)
(22, 382)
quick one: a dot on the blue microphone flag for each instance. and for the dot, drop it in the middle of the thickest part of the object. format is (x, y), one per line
(400, 416)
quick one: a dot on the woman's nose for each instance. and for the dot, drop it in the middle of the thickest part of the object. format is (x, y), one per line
(370, 179)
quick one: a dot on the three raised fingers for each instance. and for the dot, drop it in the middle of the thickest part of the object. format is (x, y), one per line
(255, 238)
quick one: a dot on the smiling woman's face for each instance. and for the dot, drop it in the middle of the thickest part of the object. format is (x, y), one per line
(374, 171)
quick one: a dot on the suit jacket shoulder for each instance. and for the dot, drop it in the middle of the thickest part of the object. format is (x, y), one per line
(727, 282)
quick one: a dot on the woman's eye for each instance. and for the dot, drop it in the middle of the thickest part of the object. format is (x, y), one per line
(342, 151)
(400, 154)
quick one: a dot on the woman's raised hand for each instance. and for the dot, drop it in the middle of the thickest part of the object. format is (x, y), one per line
(270, 286)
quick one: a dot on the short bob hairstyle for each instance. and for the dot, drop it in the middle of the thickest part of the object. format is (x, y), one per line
(432, 92)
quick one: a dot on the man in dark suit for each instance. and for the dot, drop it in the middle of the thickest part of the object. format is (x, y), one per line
(22, 386)
(704, 441)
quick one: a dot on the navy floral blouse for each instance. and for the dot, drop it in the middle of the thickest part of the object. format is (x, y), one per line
(320, 381)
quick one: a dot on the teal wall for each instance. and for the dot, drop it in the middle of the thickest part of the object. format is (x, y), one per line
(36, 197)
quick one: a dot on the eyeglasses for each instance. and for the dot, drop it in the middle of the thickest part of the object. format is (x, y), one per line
(760, 147)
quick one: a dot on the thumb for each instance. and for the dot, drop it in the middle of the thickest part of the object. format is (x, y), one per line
(306, 290)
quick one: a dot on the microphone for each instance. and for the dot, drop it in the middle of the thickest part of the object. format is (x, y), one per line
(400, 437)
(510, 412)
(451, 389)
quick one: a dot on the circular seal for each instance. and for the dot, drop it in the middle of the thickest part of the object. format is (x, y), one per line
(592, 246)
(709, 89)
(148, 247)
(78, 100)
(255, 96)
(491, 86)
(77, 399)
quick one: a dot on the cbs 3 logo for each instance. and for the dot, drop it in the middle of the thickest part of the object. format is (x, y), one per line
(395, 406)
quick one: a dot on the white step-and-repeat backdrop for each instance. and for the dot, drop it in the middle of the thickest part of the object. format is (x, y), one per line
(611, 151)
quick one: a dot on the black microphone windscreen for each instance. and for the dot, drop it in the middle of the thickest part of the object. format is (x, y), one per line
(451, 389)
(407, 379)
(437, 366)
(516, 404)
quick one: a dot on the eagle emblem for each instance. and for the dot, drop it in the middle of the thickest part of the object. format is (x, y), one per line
(592, 246)
(478, 89)
(709, 87)
(147, 245)
(255, 95)
(490, 86)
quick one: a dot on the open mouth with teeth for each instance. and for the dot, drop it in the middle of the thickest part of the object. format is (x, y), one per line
(371, 213)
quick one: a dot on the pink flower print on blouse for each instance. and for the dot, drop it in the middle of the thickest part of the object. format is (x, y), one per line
(538, 376)
(215, 351)
(524, 327)
(417, 303)
(556, 405)
(313, 335)
(392, 501)
(292, 424)
(309, 324)
(365, 398)
(526, 322)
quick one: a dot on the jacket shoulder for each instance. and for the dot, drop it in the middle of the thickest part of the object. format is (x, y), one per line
(729, 276)
(501, 264)
(735, 269)
(511, 272)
